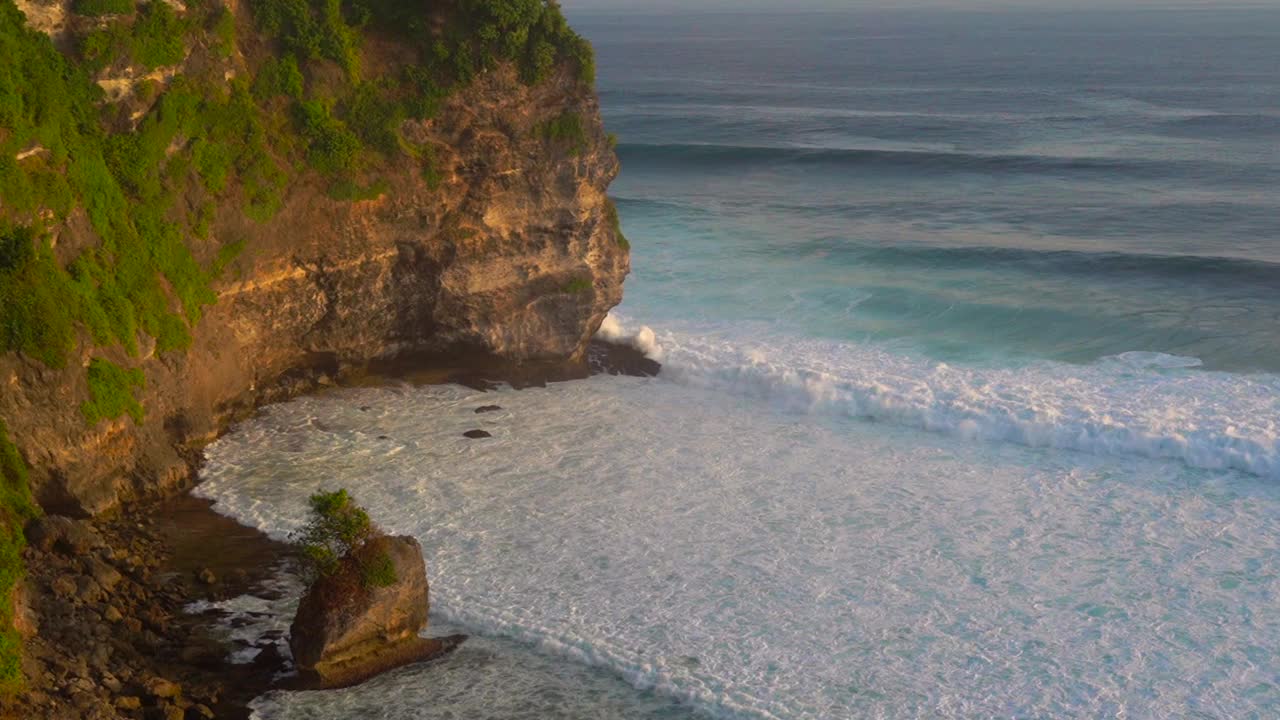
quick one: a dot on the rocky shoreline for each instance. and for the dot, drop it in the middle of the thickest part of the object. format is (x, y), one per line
(120, 611)
(104, 610)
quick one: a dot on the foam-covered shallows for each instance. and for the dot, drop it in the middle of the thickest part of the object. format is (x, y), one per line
(758, 559)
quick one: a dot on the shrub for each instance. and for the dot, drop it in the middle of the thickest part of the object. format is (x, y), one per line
(158, 36)
(278, 77)
(615, 223)
(96, 8)
(339, 532)
(224, 31)
(331, 146)
(378, 572)
(349, 190)
(16, 507)
(101, 48)
(17, 248)
(577, 286)
(111, 392)
(567, 130)
(335, 528)
(375, 117)
(312, 29)
(37, 311)
(431, 172)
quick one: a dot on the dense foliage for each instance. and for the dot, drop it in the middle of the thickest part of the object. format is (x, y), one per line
(142, 277)
(111, 392)
(16, 507)
(130, 183)
(337, 531)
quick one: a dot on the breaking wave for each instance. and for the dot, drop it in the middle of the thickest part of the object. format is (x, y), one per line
(1144, 404)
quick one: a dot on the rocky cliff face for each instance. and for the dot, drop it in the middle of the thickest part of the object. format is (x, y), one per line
(509, 252)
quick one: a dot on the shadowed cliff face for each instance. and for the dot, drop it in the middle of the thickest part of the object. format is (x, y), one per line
(510, 256)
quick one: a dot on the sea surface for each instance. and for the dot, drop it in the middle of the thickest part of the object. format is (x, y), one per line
(970, 324)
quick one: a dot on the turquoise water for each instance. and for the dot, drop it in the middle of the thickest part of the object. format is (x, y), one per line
(970, 404)
(971, 186)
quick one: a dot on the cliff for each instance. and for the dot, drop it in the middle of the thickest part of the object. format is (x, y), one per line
(501, 243)
(211, 205)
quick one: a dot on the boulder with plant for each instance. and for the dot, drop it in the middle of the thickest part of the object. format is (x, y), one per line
(367, 602)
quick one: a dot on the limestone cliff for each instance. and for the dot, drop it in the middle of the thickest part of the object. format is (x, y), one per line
(505, 246)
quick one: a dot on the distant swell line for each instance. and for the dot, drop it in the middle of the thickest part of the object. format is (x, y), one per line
(1199, 269)
(729, 156)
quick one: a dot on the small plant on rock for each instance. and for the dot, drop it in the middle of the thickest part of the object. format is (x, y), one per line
(338, 533)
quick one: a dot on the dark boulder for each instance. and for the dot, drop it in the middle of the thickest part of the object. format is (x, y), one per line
(609, 358)
(476, 434)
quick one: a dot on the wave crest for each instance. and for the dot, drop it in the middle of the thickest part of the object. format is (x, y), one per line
(1145, 404)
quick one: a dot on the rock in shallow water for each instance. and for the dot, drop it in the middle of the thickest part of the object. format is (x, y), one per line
(488, 409)
(476, 434)
(346, 632)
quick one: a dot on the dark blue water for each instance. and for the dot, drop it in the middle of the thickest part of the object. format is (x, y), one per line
(987, 187)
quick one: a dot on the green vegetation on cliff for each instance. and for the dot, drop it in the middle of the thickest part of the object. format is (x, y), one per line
(567, 131)
(110, 183)
(577, 286)
(97, 8)
(16, 508)
(211, 140)
(615, 223)
(111, 392)
(142, 275)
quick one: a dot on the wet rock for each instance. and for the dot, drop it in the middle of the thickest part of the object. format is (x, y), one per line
(106, 576)
(620, 359)
(84, 701)
(111, 683)
(87, 589)
(129, 702)
(476, 434)
(207, 577)
(100, 657)
(64, 586)
(161, 688)
(204, 652)
(346, 632)
(150, 640)
(488, 409)
(112, 614)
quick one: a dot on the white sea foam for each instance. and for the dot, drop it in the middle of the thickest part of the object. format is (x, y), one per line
(254, 621)
(643, 339)
(755, 563)
(1139, 403)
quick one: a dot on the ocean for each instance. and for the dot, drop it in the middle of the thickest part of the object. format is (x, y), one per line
(970, 324)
